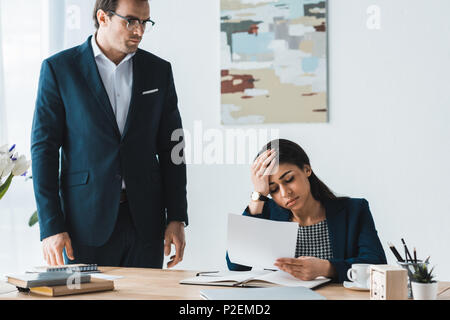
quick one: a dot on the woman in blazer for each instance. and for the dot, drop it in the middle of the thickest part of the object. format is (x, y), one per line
(334, 232)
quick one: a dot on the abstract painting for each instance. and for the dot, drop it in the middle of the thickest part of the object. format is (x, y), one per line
(273, 61)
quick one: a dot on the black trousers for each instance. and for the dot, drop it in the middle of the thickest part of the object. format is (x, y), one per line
(123, 249)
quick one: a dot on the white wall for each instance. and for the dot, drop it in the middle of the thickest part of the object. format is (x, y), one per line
(3, 132)
(386, 139)
(19, 244)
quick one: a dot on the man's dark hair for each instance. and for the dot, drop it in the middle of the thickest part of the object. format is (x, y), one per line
(105, 5)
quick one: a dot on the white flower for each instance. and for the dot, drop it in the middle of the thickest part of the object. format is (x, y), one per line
(4, 149)
(21, 165)
(11, 163)
(6, 165)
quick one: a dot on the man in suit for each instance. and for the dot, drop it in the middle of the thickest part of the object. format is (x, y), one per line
(109, 189)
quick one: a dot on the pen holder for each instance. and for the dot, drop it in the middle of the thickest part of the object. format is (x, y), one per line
(409, 266)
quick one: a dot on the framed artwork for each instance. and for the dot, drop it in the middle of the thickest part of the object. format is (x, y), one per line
(273, 61)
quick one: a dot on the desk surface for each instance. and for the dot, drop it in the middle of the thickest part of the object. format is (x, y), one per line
(156, 284)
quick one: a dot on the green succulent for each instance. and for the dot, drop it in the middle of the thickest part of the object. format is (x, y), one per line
(422, 275)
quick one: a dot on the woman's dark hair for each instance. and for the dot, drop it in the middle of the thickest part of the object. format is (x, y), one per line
(105, 5)
(292, 153)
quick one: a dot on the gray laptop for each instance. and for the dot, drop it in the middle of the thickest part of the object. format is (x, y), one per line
(273, 293)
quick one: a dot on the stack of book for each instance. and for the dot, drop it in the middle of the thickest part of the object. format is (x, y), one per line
(60, 281)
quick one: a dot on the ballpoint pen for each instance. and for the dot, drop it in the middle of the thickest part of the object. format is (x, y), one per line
(408, 255)
(205, 273)
(395, 252)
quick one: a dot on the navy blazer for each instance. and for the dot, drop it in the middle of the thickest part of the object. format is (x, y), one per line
(352, 232)
(79, 157)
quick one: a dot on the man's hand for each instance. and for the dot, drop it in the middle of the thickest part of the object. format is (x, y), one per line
(53, 248)
(174, 234)
(306, 268)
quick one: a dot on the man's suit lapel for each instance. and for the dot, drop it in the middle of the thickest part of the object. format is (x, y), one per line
(337, 227)
(89, 69)
(141, 78)
(138, 78)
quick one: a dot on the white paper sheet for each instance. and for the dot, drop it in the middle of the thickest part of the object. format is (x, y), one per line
(259, 242)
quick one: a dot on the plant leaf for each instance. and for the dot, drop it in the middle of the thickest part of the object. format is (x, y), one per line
(33, 219)
(422, 274)
(4, 187)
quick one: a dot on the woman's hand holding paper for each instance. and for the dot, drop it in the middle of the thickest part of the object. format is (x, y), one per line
(305, 268)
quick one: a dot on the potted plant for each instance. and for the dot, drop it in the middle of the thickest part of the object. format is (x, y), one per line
(423, 285)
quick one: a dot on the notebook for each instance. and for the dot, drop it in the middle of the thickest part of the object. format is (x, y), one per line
(258, 278)
(276, 293)
(68, 267)
(29, 280)
(96, 285)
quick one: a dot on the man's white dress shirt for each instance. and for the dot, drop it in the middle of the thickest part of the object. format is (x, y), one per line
(118, 82)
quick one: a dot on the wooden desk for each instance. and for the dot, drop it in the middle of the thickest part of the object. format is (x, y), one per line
(156, 284)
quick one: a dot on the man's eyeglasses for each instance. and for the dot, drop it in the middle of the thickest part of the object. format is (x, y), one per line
(134, 23)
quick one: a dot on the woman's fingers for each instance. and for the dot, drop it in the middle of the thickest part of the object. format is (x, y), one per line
(259, 161)
(266, 163)
(269, 159)
(294, 270)
(297, 271)
(290, 267)
(300, 267)
(294, 261)
(272, 168)
(259, 167)
(263, 156)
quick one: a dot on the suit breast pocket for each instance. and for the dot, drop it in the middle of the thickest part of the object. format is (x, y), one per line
(151, 99)
(75, 179)
(148, 109)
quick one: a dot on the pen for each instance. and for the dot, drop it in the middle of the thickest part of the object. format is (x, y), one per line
(205, 273)
(395, 252)
(415, 255)
(408, 255)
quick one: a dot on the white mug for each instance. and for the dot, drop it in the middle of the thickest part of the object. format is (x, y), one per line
(359, 274)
